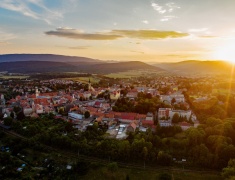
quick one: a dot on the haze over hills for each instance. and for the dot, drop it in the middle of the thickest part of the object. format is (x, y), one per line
(83, 67)
(197, 67)
(45, 57)
(40, 63)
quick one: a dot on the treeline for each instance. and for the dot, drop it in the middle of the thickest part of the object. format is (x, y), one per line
(143, 104)
(44, 76)
(220, 107)
(211, 145)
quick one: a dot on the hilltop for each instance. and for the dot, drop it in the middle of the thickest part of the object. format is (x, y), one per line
(45, 57)
(40, 63)
(197, 67)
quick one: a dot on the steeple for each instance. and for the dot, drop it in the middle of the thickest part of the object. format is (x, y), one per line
(89, 85)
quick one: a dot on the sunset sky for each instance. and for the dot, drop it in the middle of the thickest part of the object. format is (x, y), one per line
(145, 30)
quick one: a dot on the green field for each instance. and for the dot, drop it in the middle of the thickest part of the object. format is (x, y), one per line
(130, 74)
(97, 169)
(222, 91)
(13, 77)
(85, 79)
(138, 174)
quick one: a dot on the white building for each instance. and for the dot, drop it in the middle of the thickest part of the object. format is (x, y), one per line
(164, 123)
(181, 113)
(75, 116)
(163, 113)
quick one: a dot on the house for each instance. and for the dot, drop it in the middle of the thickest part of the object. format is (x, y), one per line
(149, 116)
(38, 108)
(75, 116)
(132, 94)
(184, 125)
(98, 104)
(115, 95)
(165, 123)
(131, 127)
(27, 111)
(128, 117)
(147, 123)
(181, 113)
(163, 113)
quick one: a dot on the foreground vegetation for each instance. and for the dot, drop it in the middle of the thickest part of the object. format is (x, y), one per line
(31, 160)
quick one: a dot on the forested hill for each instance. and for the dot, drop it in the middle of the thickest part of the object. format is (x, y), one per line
(197, 67)
(86, 67)
(44, 57)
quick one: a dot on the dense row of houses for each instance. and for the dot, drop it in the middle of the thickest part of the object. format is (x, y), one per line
(77, 102)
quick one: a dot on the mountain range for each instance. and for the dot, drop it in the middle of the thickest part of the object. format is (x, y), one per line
(41, 63)
(194, 67)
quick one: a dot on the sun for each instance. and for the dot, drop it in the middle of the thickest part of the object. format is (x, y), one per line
(226, 52)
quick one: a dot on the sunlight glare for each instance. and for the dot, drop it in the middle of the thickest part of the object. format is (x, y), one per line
(226, 53)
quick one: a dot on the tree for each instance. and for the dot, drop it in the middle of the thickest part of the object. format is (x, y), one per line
(113, 166)
(229, 171)
(164, 176)
(12, 115)
(175, 118)
(87, 114)
(164, 158)
(8, 121)
(173, 101)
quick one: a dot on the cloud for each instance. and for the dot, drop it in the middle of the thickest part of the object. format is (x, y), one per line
(139, 52)
(198, 30)
(2, 43)
(149, 34)
(208, 36)
(115, 34)
(80, 47)
(172, 7)
(167, 18)
(145, 22)
(166, 8)
(158, 8)
(78, 34)
(35, 9)
(4, 37)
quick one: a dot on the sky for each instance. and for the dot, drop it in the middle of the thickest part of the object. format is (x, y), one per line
(143, 30)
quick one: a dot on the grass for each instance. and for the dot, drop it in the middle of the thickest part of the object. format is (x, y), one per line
(85, 79)
(99, 171)
(137, 174)
(221, 91)
(130, 74)
(13, 77)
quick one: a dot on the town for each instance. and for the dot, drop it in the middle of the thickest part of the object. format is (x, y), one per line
(105, 106)
(157, 119)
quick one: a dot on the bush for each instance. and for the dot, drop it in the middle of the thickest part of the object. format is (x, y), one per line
(164, 176)
(113, 167)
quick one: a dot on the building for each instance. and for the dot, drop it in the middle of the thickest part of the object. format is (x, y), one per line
(75, 116)
(181, 113)
(115, 95)
(164, 113)
(164, 123)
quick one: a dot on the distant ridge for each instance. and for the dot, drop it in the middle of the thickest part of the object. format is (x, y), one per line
(45, 57)
(197, 67)
(84, 67)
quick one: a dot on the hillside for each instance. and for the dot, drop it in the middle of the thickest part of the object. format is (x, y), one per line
(44, 57)
(197, 67)
(48, 66)
(121, 67)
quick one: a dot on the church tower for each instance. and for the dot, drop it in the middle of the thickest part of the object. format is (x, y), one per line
(89, 85)
(36, 92)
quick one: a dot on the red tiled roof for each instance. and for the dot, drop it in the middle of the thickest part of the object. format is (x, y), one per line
(185, 124)
(146, 122)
